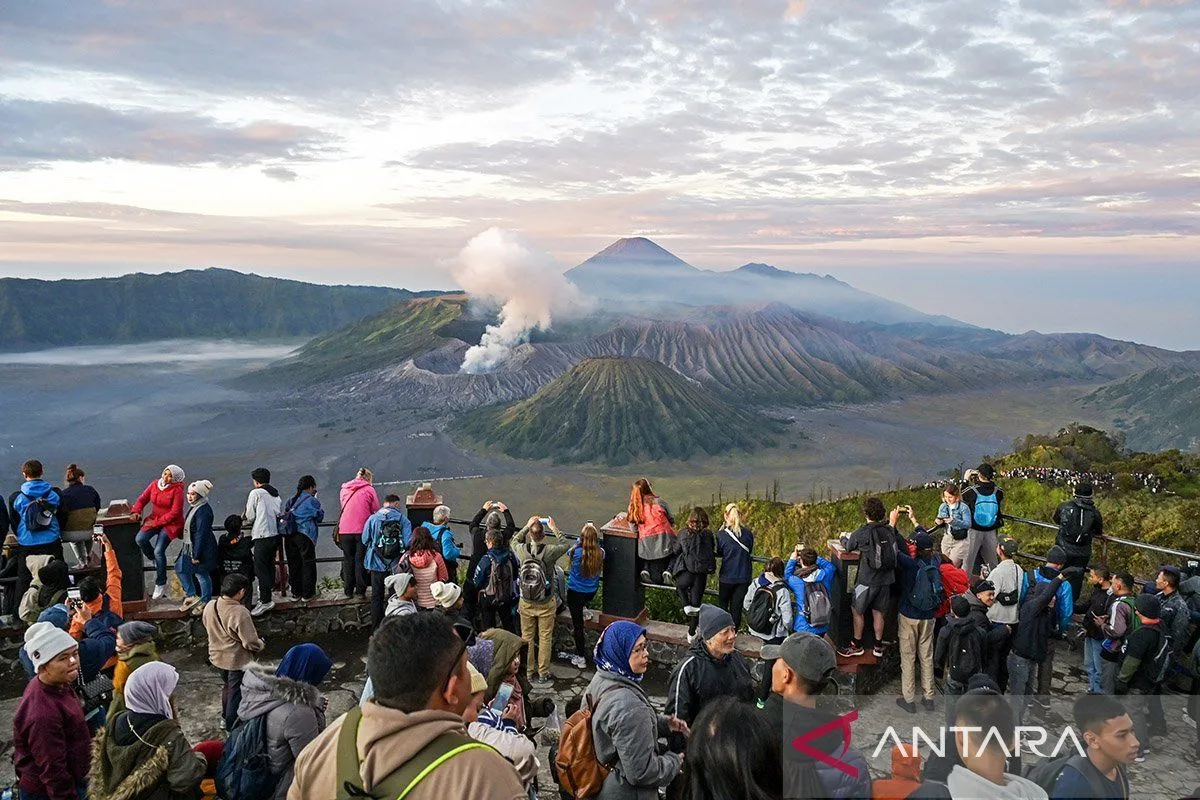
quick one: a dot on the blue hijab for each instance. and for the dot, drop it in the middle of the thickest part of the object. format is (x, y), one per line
(616, 645)
(305, 663)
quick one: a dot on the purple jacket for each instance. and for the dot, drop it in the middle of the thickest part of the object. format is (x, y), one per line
(52, 748)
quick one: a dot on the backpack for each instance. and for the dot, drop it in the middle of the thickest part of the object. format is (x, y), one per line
(764, 613)
(966, 655)
(818, 609)
(38, 513)
(400, 783)
(390, 544)
(501, 586)
(580, 773)
(286, 521)
(1045, 774)
(1160, 665)
(927, 592)
(1077, 523)
(880, 556)
(244, 771)
(987, 510)
(534, 584)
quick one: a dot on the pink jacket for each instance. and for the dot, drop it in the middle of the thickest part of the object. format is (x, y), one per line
(359, 501)
(426, 568)
(166, 508)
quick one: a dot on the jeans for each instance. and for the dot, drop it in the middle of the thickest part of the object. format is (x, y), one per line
(537, 624)
(916, 644)
(354, 574)
(1020, 683)
(576, 602)
(197, 584)
(301, 554)
(154, 542)
(378, 603)
(1046, 668)
(264, 566)
(231, 696)
(1093, 663)
(730, 597)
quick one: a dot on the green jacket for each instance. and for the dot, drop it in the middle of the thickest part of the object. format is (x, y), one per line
(548, 551)
(160, 765)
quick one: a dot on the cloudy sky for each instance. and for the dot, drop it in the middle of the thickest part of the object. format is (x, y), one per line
(1016, 163)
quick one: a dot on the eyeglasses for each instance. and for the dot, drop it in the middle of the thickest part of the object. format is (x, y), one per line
(640, 648)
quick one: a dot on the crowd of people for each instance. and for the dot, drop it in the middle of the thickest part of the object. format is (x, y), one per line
(1101, 481)
(459, 665)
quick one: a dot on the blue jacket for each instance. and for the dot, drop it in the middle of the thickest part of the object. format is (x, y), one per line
(1064, 601)
(308, 513)
(960, 518)
(36, 490)
(484, 569)
(204, 542)
(736, 566)
(908, 578)
(98, 645)
(370, 535)
(799, 587)
(576, 582)
(445, 539)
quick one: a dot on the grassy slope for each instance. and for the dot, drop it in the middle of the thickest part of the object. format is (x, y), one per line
(1156, 409)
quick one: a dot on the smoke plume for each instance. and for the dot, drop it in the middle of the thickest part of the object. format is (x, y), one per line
(500, 266)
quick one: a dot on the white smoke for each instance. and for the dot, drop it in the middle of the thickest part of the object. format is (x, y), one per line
(502, 267)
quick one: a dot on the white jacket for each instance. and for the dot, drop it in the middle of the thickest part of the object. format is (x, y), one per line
(262, 512)
(1007, 576)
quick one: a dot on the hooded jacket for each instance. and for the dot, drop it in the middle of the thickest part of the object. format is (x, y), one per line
(372, 559)
(30, 606)
(701, 676)
(799, 588)
(696, 552)
(263, 507)
(1176, 618)
(906, 776)
(954, 581)
(947, 639)
(444, 536)
(295, 715)
(783, 606)
(994, 637)
(962, 783)
(35, 490)
(358, 501)
(793, 720)
(80, 503)
(426, 567)
(862, 540)
(507, 646)
(1190, 590)
(387, 739)
(548, 551)
(625, 731)
(1037, 621)
(129, 660)
(166, 508)
(1064, 604)
(129, 766)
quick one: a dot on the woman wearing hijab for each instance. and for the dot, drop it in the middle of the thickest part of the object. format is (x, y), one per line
(135, 648)
(141, 753)
(198, 559)
(293, 708)
(164, 523)
(625, 728)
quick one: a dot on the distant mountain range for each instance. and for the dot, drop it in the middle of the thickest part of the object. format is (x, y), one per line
(638, 271)
(1158, 409)
(193, 304)
(618, 411)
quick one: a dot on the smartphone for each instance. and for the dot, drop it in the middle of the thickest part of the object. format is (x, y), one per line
(73, 596)
(545, 521)
(503, 695)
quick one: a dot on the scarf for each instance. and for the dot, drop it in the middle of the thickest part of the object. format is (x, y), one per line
(616, 645)
(305, 663)
(149, 687)
(187, 522)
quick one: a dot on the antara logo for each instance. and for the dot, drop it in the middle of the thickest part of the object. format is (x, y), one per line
(801, 742)
(1029, 739)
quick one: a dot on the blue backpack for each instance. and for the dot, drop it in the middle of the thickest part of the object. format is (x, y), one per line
(244, 771)
(927, 592)
(38, 513)
(987, 510)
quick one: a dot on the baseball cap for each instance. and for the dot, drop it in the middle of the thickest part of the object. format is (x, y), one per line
(1009, 546)
(923, 541)
(809, 656)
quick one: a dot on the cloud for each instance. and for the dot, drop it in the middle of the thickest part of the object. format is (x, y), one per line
(282, 174)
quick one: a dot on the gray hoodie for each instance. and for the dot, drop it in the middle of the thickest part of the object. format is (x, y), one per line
(295, 714)
(626, 731)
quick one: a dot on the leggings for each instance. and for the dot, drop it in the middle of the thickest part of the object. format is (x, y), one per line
(764, 687)
(301, 554)
(732, 595)
(577, 601)
(354, 574)
(690, 586)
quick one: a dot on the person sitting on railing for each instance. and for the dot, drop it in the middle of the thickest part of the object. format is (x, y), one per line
(440, 530)
(235, 554)
(1079, 523)
(650, 517)
(77, 514)
(9, 559)
(695, 562)
(33, 512)
(165, 498)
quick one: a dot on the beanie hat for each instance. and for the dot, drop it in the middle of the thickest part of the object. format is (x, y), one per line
(136, 632)
(201, 488)
(44, 642)
(478, 682)
(1148, 605)
(177, 473)
(960, 606)
(445, 594)
(713, 620)
(1009, 546)
(984, 586)
(1084, 489)
(1056, 555)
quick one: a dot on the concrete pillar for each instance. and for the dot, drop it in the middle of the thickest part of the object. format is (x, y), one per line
(121, 526)
(624, 597)
(420, 504)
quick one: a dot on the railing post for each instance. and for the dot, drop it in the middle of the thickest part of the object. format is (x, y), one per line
(624, 596)
(121, 527)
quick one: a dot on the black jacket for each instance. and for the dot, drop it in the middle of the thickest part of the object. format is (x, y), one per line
(1036, 621)
(479, 543)
(700, 677)
(1073, 506)
(1099, 603)
(862, 540)
(696, 552)
(986, 489)
(792, 721)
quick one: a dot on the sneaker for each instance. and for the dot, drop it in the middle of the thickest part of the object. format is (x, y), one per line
(645, 576)
(1187, 718)
(877, 650)
(1140, 758)
(198, 610)
(928, 703)
(159, 592)
(579, 662)
(906, 705)
(189, 602)
(262, 608)
(851, 650)
(542, 680)
(668, 578)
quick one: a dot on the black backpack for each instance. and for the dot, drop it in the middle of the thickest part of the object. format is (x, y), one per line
(1076, 524)
(1045, 774)
(390, 544)
(763, 615)
(881, 555)
(244, 771)
(501, 583)
(966, 654)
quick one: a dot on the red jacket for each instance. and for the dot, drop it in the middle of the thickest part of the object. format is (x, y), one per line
(52, 749)
(166, 508)
(954, 581)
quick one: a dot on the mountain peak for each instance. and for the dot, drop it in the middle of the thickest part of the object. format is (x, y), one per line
(766, 270)
(637, 250)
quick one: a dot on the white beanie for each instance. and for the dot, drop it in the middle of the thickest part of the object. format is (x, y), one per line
(445, 594)
(201, 488)
(397, 583)
(44, 641)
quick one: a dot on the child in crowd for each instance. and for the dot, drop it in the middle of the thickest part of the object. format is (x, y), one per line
(235, 554)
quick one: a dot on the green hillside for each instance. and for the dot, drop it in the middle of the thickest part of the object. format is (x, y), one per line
(1157, 409)
(618, 411)
(194, 304)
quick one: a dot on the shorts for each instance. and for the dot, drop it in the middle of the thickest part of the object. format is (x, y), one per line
(867, 598)
(955, 549)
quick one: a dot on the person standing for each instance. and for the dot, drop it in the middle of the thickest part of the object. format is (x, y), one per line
(877, 542)
(439, 529)
(735, 547)
(695, 562)
(712, 668)
(164, 524)
(1064, 607)
(1079, 523)
(1121, 622)
(777, 597)
(77, 513)
(496, 578)
(583, 581)
(921, 593)
(51, 742)
(986, 501)
(359, 501)
(1093, 613)
(263, 506)
(233, 641)
(198, 560)
(810, 578)
(300, 543)
(377, 548)
(1176, 616)
(1141, 668)
(34, 508)
(739, 754)
(493, 514)
(1036, 622)
(956, 516)
(538, 554)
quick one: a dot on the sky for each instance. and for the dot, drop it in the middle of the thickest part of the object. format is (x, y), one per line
(1022, 164)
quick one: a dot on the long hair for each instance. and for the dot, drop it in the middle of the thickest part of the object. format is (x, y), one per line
(734, 753)
(306, 483)
(593, 560)
(697, 520)
(638, 495)
(422, 539)
(733, 518)
(365, 474)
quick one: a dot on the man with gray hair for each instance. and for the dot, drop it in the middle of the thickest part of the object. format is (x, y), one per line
(439, 529)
